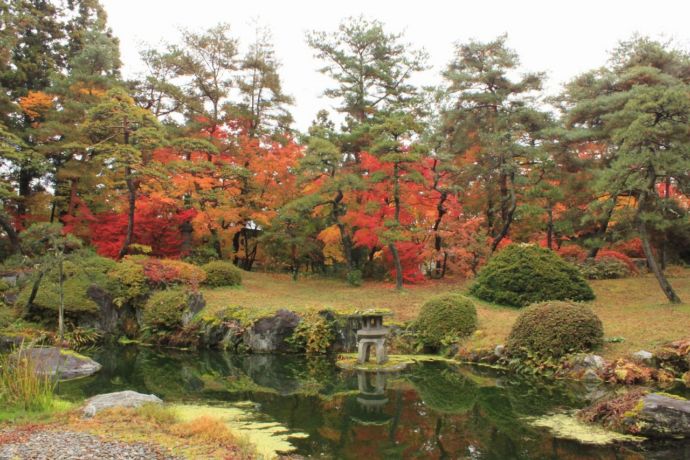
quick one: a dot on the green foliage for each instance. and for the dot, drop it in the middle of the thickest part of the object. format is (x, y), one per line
(201, 255)
(80, 338)
(604, 268)
(4, 286)
(445, 391)
(354, 277)
(129, 282)
(163, 310)
(7, 315)
(313, 334)
(446, 318)
(221, 273)
(554, 329)
(83, 270)
(522, 274)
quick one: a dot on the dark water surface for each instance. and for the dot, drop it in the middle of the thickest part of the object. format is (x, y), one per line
(430, 410)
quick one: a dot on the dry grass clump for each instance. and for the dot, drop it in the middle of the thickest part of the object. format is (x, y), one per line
(204, 437)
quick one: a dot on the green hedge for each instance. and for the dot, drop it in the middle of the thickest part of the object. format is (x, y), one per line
(446, 317)
(522, 274)
(220, 273)
(555, 329)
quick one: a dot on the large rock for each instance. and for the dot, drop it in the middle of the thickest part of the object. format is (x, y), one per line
(120, 399)
(662, 416)
(268, 334)
(60, 363)
(195, 303)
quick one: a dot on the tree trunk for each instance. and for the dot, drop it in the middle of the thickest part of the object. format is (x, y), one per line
(549, 228)
(7, 226)
(646, 246)
(61, 309)
(507, 221)
(34, 289)
(132, 189)
(654, 266)
(398, 266)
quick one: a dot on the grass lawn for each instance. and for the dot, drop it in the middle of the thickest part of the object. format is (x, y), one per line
(633, 308)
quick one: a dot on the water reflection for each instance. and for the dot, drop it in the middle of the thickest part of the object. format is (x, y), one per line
(427, 411)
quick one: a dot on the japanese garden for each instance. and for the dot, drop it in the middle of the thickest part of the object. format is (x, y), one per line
(457, 261)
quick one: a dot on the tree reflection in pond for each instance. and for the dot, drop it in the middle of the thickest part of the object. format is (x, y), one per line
(430, 410)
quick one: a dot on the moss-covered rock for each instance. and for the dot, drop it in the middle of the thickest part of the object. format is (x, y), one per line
(446, 318)
(220, 273)
(555, 329)
(522, 274)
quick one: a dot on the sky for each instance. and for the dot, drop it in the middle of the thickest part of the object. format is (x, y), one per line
(561, 38)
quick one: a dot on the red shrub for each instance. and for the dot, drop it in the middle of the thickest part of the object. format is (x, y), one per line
(631, 248)
(167, 272)
(604, 253)
(572, 253)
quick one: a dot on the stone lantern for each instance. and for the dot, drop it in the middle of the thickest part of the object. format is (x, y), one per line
(372, 334)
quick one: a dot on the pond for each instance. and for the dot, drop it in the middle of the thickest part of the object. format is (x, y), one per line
(430, 410)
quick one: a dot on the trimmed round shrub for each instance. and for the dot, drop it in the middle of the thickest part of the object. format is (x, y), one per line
(446, 317)
(522, 274)
(604, 268)
(164, 309)
(555, 329)
(220, 273)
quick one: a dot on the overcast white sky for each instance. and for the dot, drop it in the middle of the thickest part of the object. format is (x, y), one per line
(560, 37)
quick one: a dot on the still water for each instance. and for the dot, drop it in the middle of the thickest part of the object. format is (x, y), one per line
(430, 410)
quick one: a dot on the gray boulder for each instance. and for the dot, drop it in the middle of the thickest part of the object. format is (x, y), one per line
(643, 356)
(120, 399)
(195, 303)
(268, 334)
(661, 416)
(60, 363)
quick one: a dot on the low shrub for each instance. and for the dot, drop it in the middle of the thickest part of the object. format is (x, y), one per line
(554, 329)
(610, 254)
(164, 309)
(522, 274)
(354, 278)
(313, 334)
(446, 318)
(572, 253)
(129, 282)
(202, 255)
(604, 268)
(169, 272)
(221, 273)
(631, 248)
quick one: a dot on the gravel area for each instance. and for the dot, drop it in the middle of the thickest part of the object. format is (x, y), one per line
(68, 445)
